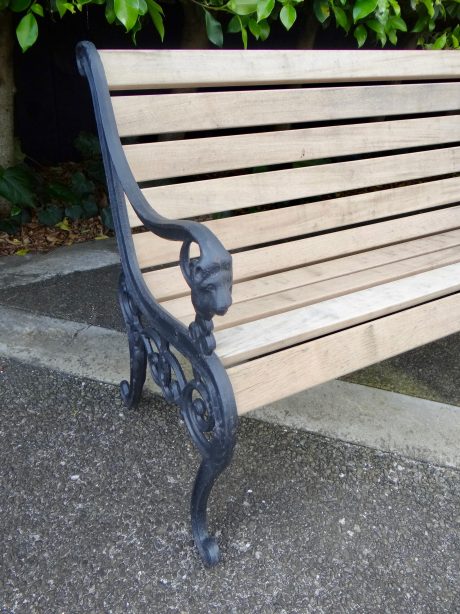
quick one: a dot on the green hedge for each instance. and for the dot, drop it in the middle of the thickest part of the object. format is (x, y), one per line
(433, 23)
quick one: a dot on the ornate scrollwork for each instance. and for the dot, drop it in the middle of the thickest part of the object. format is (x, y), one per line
(198, 413)
(198, 399)
(201, 333)
(197, 396)
(164, 367)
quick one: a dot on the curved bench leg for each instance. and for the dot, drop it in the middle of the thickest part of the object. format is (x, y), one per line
(207, 474)
(131, 392)
(206, 403)
(211, 420)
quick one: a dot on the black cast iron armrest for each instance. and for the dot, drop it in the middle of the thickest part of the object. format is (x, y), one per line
(210, 274)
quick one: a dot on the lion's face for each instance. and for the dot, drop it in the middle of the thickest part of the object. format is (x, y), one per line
(211, 287)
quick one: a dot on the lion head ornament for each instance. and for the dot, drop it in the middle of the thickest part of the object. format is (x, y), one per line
(211, 285)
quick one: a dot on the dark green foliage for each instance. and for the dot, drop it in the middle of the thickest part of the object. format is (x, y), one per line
(87, 145)
(73, 190)
(50, 215)
(16, 186)
(435, 21)
(106, 216)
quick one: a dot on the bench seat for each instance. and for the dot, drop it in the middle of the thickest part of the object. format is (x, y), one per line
(326, 297)
(259, 382)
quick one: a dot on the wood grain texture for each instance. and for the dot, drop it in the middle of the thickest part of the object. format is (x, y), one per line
(246, 341)
(169, 113)
(290, 371)
(298, 220)
(169, 282)
(255, 189)
(151, 161)
(288, 300)
(432, 247)
(136, 69)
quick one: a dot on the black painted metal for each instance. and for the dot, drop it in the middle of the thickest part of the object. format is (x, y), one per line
(206, 398)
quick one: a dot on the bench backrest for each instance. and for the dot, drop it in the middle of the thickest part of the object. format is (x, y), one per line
(364, 143)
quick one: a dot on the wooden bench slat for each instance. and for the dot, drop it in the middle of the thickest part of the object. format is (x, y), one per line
(298, 220)
(255, 189)
(138, 69)
(169, 282)
(151, 161)
(301, 296)
(246, 341)
(270, 378)
(286, 281)
(163, 113)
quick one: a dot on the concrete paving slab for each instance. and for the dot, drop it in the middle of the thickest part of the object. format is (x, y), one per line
(94, 511)
(82, 296)
(32, 268)
(70, 347)
(419, 429)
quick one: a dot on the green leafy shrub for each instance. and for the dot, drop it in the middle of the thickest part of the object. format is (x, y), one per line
(382, 21)
(69, 191)
(435, 23)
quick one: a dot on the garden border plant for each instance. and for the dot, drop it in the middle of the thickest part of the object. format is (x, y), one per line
(56, 194)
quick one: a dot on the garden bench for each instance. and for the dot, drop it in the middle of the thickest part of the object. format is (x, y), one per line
(341, 172)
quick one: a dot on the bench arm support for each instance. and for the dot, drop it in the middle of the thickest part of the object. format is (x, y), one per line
(209, 275)
(203, 392)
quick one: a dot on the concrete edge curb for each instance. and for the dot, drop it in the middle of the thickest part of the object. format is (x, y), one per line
(387, 421)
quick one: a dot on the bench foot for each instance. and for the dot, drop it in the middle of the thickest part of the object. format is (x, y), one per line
(206, 543)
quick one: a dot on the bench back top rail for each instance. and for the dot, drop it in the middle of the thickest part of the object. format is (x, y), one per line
(138, 69)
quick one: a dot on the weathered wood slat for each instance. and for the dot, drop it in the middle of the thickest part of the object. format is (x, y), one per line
(298, 220)
(150, 161)
(330, 270)
(255, 189)
(290, 371)
(163, 113)
(126, 70)
(283, 302)
(169, 282)
(246, 341)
